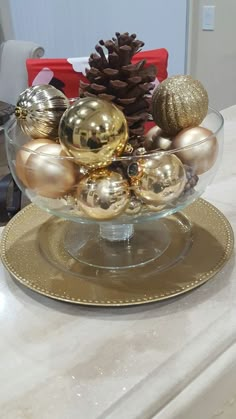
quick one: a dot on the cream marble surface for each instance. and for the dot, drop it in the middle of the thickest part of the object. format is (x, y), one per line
(60, 361)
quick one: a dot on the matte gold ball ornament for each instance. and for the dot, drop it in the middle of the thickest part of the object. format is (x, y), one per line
(49, 173)
(93, 131)
(24, 153)
(158, 180)
(202, 148)
(103, 194)
(39, 110)
(179, 102)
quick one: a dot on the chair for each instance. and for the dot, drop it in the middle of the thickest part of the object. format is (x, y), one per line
(13, 80)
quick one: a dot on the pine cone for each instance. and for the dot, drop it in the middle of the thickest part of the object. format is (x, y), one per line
(113, 77)
(192, 180)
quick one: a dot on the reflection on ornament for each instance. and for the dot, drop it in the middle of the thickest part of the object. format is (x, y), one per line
(200, 157)
(179, 102)
(134, 207)
(128, 149)
(140, 151)
(48, 173)
(93, 131)
(103, 194)
(24, 153)
(152, 208)
(156, 139)
(159, 179)
(39, 110)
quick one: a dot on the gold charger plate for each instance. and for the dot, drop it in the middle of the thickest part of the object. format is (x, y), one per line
(32, 250)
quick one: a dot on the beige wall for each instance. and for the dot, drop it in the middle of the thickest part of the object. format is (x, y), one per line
(212, 54)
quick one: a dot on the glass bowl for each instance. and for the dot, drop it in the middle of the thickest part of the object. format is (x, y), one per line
(119, 216)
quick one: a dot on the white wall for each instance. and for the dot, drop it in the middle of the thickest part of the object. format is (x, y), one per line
(6, 27)
(212, 54)
(67, 28)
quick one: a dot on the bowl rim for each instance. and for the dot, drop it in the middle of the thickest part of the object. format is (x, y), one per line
(13, 122)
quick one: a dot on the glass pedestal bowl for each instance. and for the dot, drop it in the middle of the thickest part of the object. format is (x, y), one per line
(114, 220)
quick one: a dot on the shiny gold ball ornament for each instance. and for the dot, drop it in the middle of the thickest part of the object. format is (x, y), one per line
(202, 148)
(49, 172)
(103, 195)
(39, 110)
(156, 139)
(179, 102)
(158, 180)
(94, 131)
(24, 153)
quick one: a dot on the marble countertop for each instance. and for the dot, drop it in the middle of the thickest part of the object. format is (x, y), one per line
(60, 361)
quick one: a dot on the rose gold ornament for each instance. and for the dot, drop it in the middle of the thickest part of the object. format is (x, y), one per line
(50, 174)
(159, 179)
(24, 153)
(179, 102)
(200, 154)
(156, 139)
(103, 195)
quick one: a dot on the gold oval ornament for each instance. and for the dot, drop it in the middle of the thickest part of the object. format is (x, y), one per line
(39, 110)
(93, 131)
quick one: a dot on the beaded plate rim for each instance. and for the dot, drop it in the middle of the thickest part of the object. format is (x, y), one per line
(228, 249)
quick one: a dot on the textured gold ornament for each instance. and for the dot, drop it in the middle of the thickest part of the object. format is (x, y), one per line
(39, 110)
(156, 139)
(49, 174)
(103, 194)
(179, 102)
(24, 153)
(93, 131)
(159, 179)
(200, 154)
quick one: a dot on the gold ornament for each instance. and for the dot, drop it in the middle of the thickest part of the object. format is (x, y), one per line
(179, 102)
(39, 110)
(159, 179)
(156, 139)
(24, 153)
(93, 131)
(200, 157)
(50, 173)
(103, 194)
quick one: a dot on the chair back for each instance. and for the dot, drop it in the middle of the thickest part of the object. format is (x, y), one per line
(13, 73)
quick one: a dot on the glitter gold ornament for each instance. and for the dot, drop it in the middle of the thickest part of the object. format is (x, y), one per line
(200, 154)
(24, 153)
(159, 179)
(49, 174)
(93, 131)
(103, 195)
(179, 102)
(156, 139)
(39, 110)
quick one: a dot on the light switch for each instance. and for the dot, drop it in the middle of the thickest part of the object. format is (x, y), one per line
(208, 18)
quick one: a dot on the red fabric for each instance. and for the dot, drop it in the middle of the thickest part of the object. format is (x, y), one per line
(63, 71)
(65, 76)
(159, 57)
